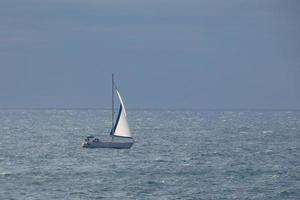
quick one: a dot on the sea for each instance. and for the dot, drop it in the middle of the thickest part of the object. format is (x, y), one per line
(177, 154)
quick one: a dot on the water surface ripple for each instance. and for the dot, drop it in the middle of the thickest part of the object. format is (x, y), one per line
(187, 154)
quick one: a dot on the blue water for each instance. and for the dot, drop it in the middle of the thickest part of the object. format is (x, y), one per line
(189, 154)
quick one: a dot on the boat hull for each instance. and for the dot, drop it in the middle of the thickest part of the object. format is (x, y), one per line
(112, 144)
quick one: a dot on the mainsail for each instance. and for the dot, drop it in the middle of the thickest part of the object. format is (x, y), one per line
(121, 128)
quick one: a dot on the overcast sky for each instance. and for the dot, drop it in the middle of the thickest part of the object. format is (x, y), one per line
(164, 53)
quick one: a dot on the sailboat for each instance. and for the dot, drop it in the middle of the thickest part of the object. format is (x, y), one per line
(120, 133)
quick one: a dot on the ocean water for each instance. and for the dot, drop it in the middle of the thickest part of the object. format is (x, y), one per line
(183, 154)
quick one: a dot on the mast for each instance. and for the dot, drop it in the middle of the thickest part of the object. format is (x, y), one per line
(112, 103)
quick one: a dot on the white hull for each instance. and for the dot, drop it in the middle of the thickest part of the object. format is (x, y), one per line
(111, 144)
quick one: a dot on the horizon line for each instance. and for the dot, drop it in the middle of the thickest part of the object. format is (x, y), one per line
(103, 108)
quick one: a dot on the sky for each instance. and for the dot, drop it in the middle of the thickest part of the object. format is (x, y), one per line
(208, 54)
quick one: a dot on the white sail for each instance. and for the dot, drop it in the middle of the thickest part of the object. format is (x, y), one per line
(121, 128)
